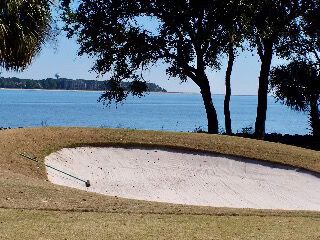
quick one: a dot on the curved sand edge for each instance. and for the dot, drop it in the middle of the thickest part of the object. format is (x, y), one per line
(183, 178)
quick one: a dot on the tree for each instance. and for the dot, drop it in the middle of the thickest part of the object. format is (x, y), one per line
(303, 50)
(298, 86)
(24, 27)
(189, 40)
(272, 23)
(232, 14)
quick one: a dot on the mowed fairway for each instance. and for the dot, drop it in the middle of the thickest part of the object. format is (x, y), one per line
(21, 224)
(33, 208)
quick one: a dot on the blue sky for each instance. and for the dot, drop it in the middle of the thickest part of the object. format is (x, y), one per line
(62, 58)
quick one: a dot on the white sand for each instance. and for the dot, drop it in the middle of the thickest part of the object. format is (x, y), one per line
(183, 178)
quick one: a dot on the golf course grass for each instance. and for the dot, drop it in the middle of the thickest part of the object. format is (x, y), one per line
(33, 208)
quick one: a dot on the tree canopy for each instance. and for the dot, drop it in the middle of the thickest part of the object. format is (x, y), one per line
(305, 46)
(191, 37)
(298, 86)
(24, 28)
(189, 40)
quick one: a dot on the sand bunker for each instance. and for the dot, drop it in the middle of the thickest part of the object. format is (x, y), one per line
(185, 178)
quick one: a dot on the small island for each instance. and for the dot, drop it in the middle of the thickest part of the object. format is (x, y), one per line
(66, 84)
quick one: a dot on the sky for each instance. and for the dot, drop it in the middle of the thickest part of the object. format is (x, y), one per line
(61, 57)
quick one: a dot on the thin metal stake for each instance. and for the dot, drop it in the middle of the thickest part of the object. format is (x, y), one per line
(88, 184)
(64, 173)
(28, 157)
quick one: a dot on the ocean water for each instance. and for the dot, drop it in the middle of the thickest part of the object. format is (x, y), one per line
(157, 111)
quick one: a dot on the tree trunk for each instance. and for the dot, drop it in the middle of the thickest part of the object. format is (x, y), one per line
(227, 115)
(260, 125)
(315, 115)
(213, 126)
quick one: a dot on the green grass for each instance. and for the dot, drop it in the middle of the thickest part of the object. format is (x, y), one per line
(30, 205)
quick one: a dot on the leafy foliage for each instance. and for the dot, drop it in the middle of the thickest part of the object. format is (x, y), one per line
(272, 20)
(109, 30)
(294, 84)
(298, 86)
(24, 28)
(305, 46)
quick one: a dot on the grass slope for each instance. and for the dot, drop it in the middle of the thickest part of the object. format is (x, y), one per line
(24, 186)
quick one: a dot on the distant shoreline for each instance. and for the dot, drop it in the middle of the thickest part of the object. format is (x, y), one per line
(67, 84)
(65, 90)
(49, 90)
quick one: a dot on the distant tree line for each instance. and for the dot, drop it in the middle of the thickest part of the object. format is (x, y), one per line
(67, 84)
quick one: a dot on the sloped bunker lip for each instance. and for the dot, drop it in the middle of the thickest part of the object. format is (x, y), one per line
(182, 177)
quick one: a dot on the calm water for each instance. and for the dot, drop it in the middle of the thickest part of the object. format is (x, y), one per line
(174, 112)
